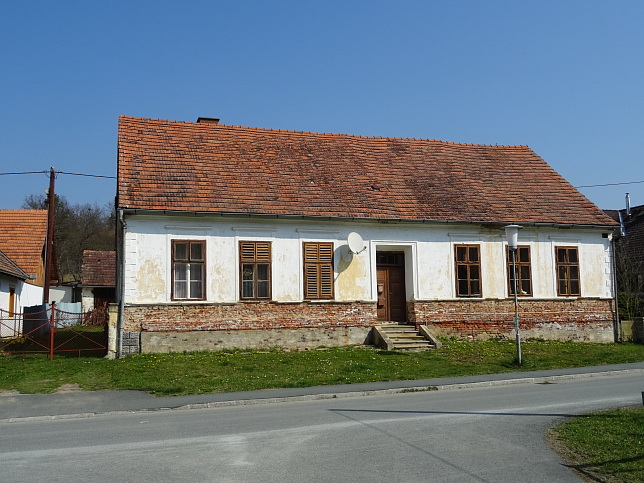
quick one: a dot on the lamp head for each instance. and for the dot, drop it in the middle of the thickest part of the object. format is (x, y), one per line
(512, 234)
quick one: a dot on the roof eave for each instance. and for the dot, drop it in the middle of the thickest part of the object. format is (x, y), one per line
(500, 223)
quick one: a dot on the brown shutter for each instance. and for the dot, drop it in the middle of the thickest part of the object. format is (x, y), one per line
(318, 270)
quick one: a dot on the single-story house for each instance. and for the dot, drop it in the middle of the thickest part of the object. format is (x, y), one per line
(234, 236)
(23, 234)
(12, 279)
(98, 279)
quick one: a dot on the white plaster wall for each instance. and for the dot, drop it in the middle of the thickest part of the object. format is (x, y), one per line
(29, 295)
(428, 248)
(87, 299)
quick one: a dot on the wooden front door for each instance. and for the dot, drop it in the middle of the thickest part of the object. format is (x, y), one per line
(392, 302)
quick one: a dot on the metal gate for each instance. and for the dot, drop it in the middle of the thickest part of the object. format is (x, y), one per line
(46, 329)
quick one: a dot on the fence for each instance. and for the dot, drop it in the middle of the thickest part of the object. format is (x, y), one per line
(49, 330)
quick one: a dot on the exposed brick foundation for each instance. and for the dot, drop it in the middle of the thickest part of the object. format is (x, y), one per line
(178, 327)
(248, 316)
(578, 319)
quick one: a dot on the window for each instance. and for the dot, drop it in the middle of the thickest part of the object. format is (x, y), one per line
(188, 270)
(468, 271)
(567, 271)
(524, 272)
(318, 270)
(255, 265)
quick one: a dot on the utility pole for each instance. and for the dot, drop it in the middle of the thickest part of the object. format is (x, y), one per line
(49, 250)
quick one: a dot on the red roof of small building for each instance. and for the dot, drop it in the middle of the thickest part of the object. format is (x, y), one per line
(211, 167)
(10, 268)
(98, 269)
(22, 237)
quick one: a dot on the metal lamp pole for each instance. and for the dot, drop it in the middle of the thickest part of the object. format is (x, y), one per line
(512, 234)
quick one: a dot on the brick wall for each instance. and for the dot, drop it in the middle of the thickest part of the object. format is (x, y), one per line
(574, 319)
(248, 316)
(158, 328)
(176, 327)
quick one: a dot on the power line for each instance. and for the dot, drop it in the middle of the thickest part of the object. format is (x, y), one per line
(62, 172)
(608, 184)
(89, 175)
(26, 172)
(114, 177)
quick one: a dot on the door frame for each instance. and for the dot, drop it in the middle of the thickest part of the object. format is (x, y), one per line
(396, 263)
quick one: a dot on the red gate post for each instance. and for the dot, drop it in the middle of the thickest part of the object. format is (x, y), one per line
(52, 330)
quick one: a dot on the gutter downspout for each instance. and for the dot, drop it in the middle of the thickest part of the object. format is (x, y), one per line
(121, 281)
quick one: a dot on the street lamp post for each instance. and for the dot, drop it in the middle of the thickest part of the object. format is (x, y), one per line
(512, 234)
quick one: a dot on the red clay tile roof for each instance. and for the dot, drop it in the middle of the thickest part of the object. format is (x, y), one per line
(209, 167)
(9, 268)
(98, 269)
(22, 237)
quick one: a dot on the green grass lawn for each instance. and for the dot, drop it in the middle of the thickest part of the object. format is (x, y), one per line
(605, 446)
(208, 372)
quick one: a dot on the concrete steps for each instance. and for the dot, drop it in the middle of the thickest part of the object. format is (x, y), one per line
(395, 336)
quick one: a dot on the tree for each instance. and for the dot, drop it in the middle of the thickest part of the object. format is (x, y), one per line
(77, 227)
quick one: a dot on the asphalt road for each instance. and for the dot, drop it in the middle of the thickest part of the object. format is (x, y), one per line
(493, 434)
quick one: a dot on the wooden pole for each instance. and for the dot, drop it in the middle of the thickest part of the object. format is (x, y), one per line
(49, 250)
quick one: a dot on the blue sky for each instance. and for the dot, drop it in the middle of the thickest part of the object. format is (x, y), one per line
(564, 77)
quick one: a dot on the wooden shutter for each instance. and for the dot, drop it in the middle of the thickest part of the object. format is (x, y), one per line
(318, 270)
(255, 251)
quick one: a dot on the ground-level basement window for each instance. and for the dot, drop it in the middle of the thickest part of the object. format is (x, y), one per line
(318, 270)
(524, 272)
(255, 266)
(468, 270)
(188, 269)
(567, 271)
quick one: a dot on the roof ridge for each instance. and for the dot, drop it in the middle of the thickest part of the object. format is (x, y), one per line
(295, 131)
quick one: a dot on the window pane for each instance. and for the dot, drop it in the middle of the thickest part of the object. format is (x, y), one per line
(474, 272)
(180, 271)
(574, 287)
(524, 272)
(247, 289)
(262, 289)
(574, 272)
(463, 287)
(474, 254)
(262, 272)
(248, 272)
(461, 271)
(180, 289)
(526, 288)
(196, 251)
(524, 254)
(196, 272)
(196, 290)
(461, 254)
(181, 251)
(572, 255)
(475, 288)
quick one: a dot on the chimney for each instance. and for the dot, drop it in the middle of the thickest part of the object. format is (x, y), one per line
(628, 204)
(210, 120)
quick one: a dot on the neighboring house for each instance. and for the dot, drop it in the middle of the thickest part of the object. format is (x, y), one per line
(12, 280)
(23, 234)
(234, 236)
(98, 279)
(629, 246)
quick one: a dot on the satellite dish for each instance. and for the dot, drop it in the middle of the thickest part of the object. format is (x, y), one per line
(355, 242)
